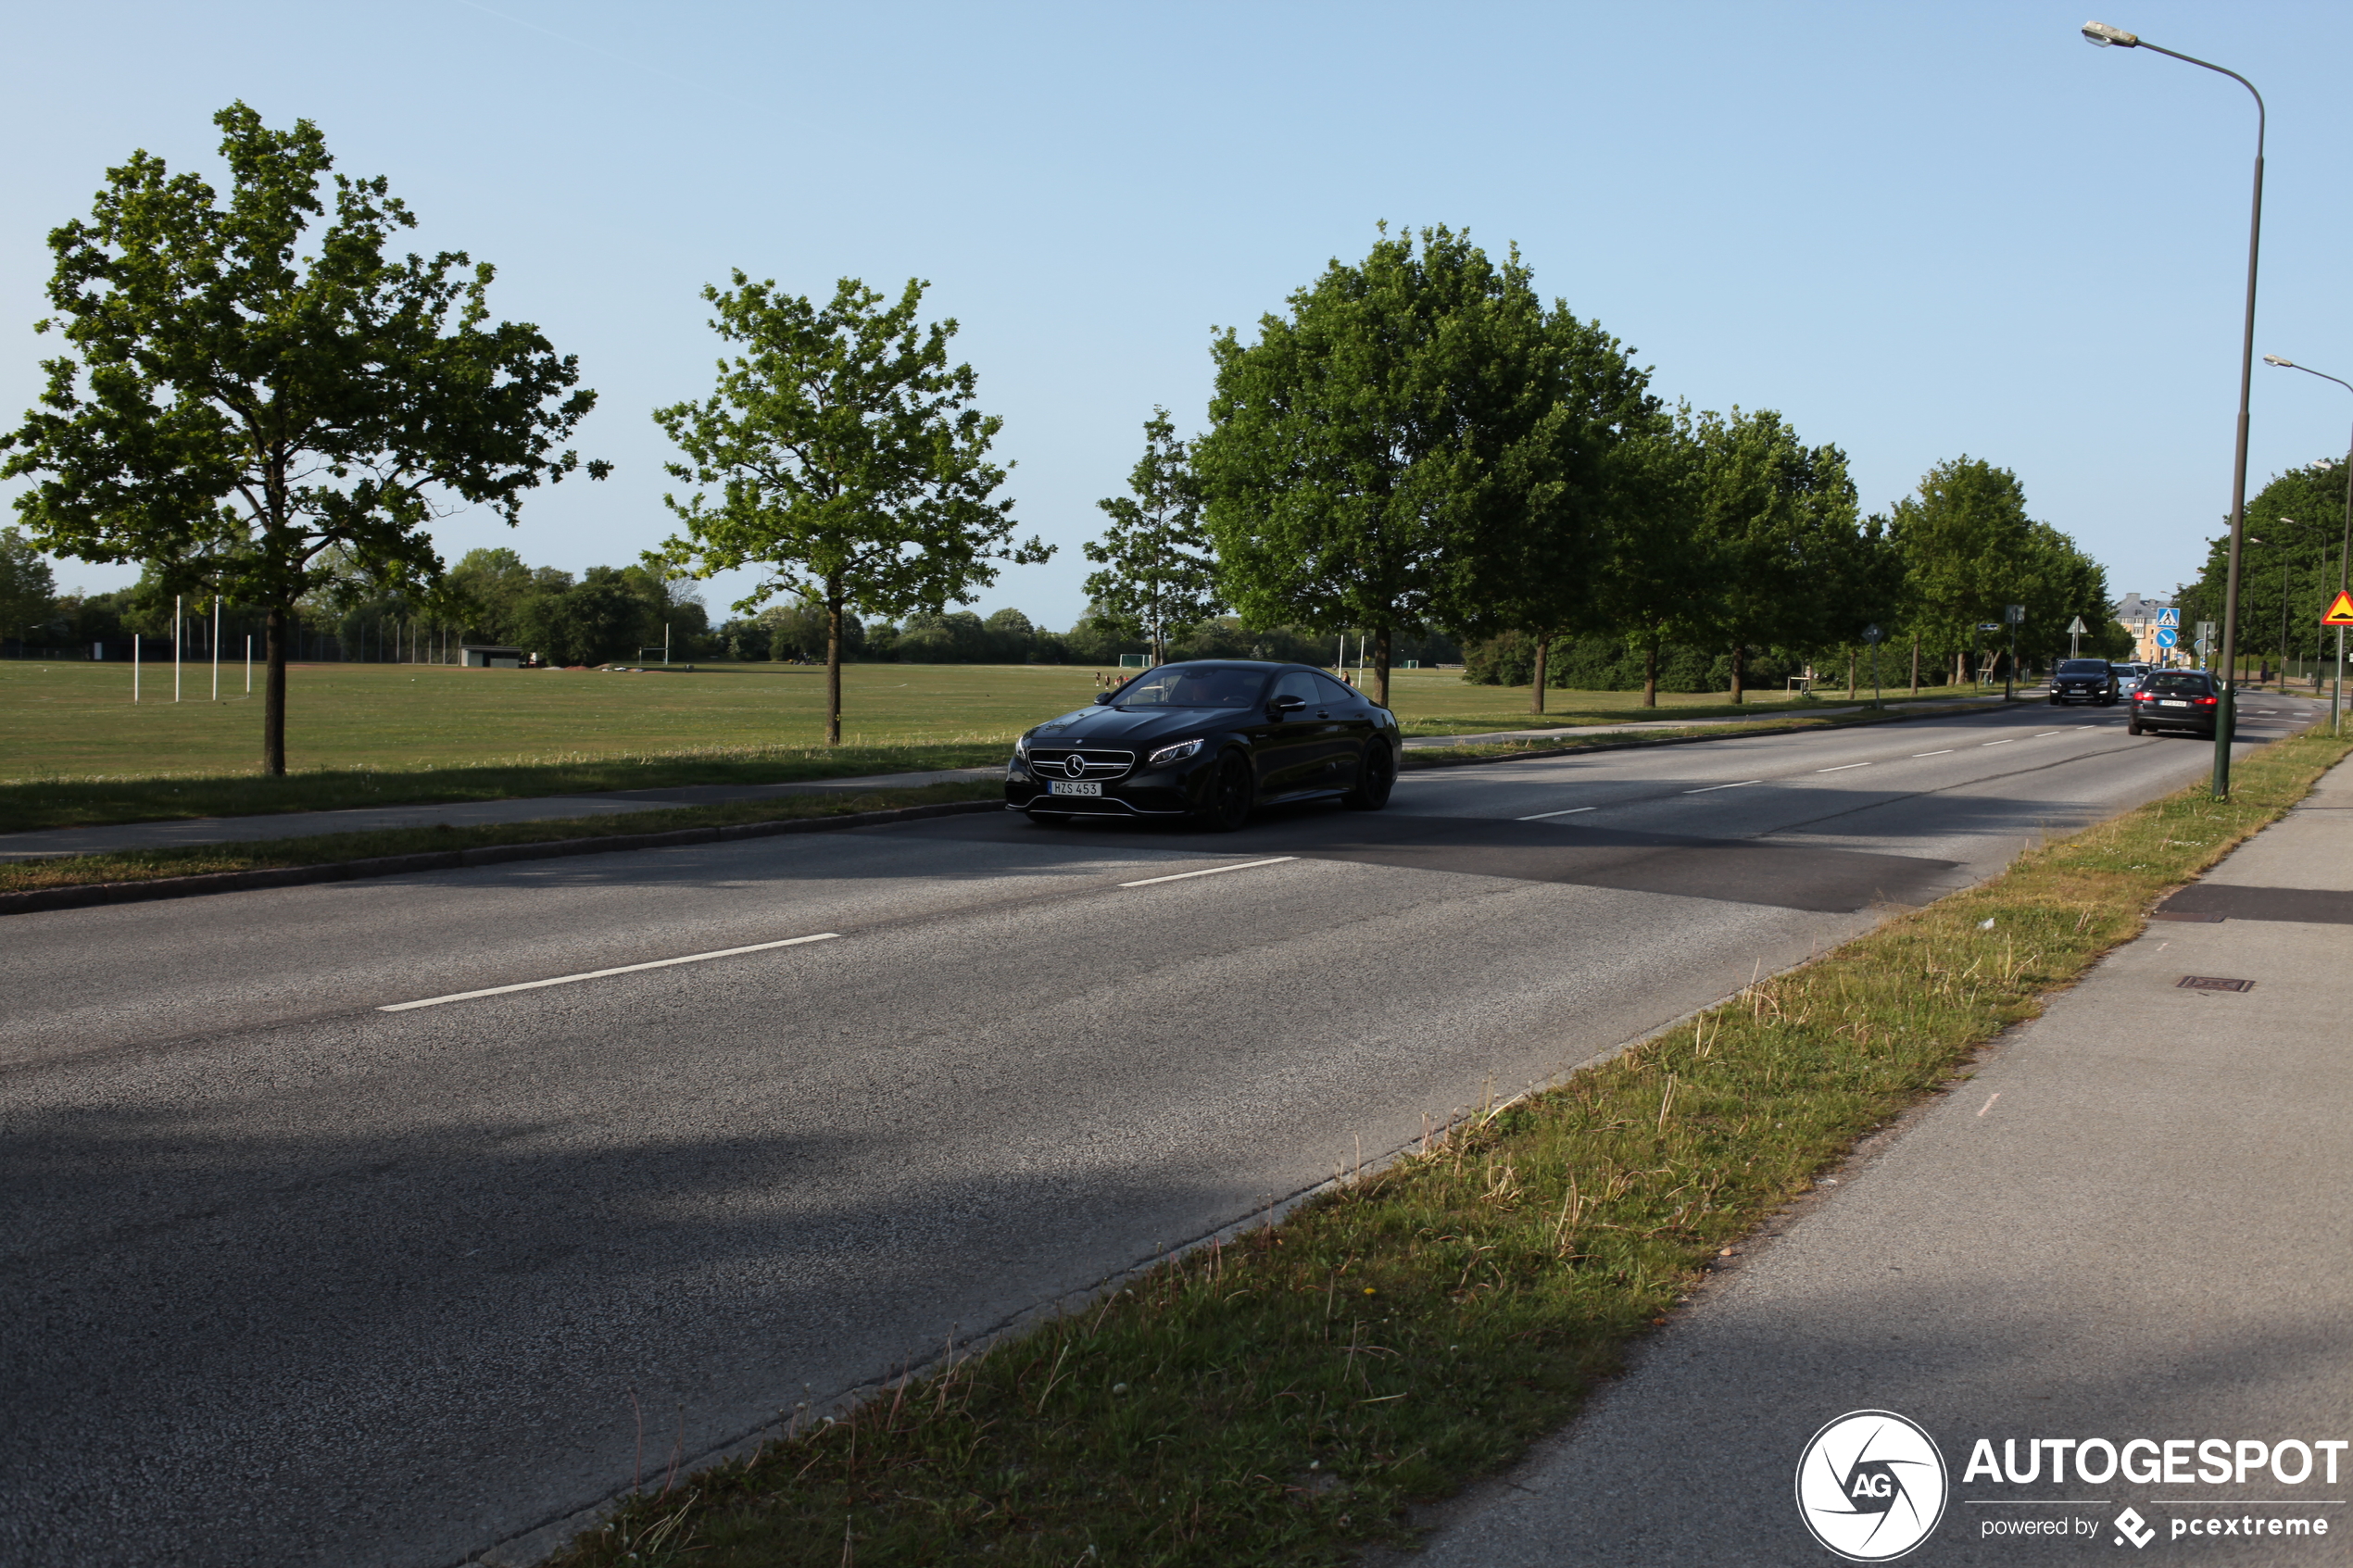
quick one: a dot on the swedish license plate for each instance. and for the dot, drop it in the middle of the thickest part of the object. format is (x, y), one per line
(2168, 702)
(1060, 786)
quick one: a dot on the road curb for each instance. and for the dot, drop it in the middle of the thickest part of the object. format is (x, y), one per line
(95, 894)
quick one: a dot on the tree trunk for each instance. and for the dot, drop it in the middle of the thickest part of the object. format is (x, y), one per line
(833, 663)
(1650, 673)
(273, 690)
(1543, 646)
(1915, 664)
(1381, 665)
(1740, 656)
(1853, 662)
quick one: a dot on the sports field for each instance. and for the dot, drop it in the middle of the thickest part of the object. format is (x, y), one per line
(75, 749)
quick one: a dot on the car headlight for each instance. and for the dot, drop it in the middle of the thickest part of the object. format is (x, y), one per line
(1176, 753)
(1021, 749)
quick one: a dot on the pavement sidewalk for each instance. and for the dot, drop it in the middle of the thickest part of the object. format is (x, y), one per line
(52, 842)
(2135, 1221)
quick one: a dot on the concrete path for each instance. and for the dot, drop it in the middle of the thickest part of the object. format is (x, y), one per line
(2135, 1221)
(52, 842)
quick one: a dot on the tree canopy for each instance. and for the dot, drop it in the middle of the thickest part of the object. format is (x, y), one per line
(850, 463)
(246, 415)
(1393, 453)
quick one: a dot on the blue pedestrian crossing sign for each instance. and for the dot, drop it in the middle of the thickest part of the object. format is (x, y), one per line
(2169, 618)
(2167, 636)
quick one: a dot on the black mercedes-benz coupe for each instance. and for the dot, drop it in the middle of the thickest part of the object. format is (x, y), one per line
(1210, 739)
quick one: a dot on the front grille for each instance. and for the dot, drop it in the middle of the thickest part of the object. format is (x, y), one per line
(1053, 762)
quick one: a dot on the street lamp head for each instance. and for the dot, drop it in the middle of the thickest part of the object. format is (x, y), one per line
(2283, 364)
(2100, 35)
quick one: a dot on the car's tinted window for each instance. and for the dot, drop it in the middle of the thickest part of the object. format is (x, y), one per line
(2083, 666)
(2177, 683)
(1298, 684)
(1194, 686)
(1334, 692)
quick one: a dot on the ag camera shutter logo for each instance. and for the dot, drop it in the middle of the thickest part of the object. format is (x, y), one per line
(1872, 1486)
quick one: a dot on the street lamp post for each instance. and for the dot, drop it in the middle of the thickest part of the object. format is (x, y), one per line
(2344, 551)
(2103, 36)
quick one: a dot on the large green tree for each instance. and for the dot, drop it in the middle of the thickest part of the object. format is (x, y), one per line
(1650, 573)
(851, 467)
(2294, 555)
(244, 412)
(1159, 576)
(1773, 521)
(1969, 550)
(1536, 555)
(1385, 456)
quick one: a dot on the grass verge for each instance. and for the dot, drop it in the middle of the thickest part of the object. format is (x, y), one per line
(25, 877)
(1286, 1396)
(90, 802)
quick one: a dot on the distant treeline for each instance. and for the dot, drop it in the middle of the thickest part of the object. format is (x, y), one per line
(603, 615)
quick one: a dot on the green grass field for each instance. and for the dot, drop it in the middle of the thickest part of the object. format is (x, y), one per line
(75, 749)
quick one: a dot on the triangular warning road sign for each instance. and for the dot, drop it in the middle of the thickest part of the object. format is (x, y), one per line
(2341, 611)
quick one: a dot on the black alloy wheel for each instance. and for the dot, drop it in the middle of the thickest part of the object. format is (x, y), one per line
(1231, 793)
(1376, 776)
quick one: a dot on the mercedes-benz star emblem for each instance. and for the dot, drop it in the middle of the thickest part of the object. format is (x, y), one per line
(1075, 767)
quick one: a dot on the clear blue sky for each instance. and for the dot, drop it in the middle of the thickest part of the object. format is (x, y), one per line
(1916, 231)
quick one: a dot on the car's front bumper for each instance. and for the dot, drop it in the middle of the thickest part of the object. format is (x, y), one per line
(1147, 792)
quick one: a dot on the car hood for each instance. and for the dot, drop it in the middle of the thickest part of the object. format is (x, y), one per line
(1100, 725)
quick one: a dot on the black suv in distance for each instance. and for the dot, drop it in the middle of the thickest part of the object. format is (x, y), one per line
(1210, 739)
(2175, 700)
(2083, 680)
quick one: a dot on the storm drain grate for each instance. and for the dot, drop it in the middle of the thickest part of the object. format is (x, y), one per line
(2212, 982)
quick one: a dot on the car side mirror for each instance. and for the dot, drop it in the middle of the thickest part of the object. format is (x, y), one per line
(1283, 706)
(1105, 697)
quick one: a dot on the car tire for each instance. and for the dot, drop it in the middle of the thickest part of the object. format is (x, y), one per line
(2055, 702)
(1376, 776)
(2133, 725)
(1233, 792)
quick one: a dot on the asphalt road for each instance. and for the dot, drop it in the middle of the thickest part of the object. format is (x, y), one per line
(295, 1279)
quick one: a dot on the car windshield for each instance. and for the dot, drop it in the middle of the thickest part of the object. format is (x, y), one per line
(2177, 683)
(2083, 666)
(1194, 686)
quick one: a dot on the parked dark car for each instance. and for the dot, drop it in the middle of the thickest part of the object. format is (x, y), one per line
(1211, 740)
(2083, 680)
(2175, 700)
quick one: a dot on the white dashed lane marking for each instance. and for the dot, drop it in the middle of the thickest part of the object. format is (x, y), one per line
(602, 974)
(1213, 871)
